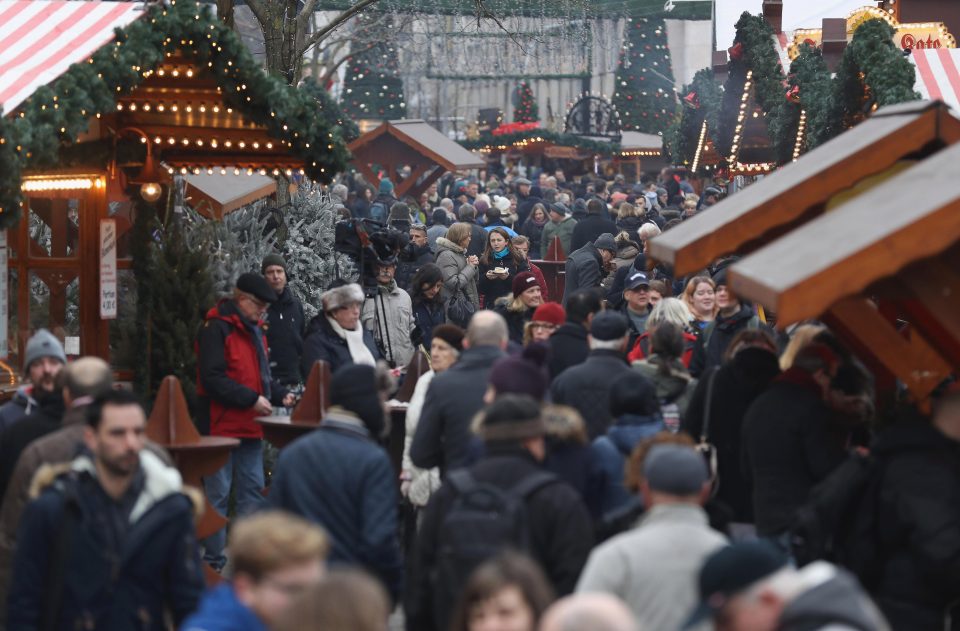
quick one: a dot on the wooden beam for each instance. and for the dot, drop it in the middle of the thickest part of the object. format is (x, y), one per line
(403, 188)
(419, 188)
(909, 357)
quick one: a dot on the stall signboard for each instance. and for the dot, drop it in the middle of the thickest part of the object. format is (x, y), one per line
(108, 269)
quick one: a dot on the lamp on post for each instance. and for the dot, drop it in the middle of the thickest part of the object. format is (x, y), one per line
(149, 177)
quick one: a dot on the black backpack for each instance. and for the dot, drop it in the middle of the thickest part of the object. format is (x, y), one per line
(839, 521)
(482, 521)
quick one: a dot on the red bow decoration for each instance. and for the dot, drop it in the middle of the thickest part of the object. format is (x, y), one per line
(692, 101)
(810, 42)
(793, 94)
(736, 51)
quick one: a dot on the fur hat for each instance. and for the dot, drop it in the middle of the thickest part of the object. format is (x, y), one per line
(341, 296)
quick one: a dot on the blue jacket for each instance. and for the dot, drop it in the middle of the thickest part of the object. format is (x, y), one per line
(322, 342)
(338, 477)
(221, 611)
(109, 582)
(611, 452)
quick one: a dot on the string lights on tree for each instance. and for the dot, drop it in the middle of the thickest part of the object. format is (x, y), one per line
(644, 87)
(373, 88)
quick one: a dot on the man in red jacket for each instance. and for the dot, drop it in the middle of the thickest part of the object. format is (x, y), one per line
(234, 382)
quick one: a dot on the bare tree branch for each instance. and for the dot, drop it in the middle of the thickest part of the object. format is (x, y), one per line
(484, 12)
(336, 23)
(259, 10)
(308, 10)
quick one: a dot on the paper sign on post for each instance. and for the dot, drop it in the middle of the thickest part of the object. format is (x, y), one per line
(108, 269)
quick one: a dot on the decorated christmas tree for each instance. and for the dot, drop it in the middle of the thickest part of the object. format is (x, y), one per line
(373, 87)
(644, 94)
(524, 104)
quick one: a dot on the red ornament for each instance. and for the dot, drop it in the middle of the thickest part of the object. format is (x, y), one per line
(736, 51)
(793, 94)
(692, 101)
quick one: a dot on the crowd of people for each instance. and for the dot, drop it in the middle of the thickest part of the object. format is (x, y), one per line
(642, 452)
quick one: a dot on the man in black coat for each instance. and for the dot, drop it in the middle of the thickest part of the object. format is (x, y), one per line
(587, 387)
(285, 323)
(558, 529)
(587, 267)
(413, 256)
(478, 236)
(592, 226)
(525, 199)
(734, 316)
(568, 345)
(918, 521)
(443, 434)
(788, 445)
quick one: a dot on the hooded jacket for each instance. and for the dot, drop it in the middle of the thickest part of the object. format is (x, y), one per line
(389, 316)
(323, 343)
(230, 375)
(611, 451)
(833, 602)
(45, 419)
(125, 581)
(675, 387)
(339, 477)
(285, 325)
(457, 273)
(589, 228)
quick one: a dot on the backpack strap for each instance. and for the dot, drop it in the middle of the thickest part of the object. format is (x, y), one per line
(462, 481)
(527, 486)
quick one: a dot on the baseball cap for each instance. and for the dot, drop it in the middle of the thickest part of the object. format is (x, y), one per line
(729, 571)
(636, 279)
(675, 469)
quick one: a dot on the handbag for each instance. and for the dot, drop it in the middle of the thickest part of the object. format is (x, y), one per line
(459, 307)
(707, 449)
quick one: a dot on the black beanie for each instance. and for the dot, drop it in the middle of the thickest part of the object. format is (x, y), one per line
(354, 388)
(632, 393)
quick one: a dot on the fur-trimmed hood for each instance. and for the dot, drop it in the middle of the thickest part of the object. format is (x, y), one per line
(160, 481)
(447, 244)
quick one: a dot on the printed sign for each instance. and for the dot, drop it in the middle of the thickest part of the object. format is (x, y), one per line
(108, 269)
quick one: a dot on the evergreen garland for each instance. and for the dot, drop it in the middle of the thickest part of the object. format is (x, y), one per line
(809, 73)
(331, 110)
(373, 88)
(701, 102)
(525, 108)
(56, 114)
(644, 92)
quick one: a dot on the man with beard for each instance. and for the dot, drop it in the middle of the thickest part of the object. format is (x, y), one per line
(109, 543)
(285, 323)
(42, 360)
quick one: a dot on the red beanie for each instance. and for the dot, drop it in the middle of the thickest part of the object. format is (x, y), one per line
(522, 282)
(550, 312)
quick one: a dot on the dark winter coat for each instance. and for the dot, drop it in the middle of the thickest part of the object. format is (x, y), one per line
(340, 478)
(611, 451)
(568, 347)
(42, 421)
(230, 373)
(736, 384)
(583, 270)
(516, 320)
(221, 610)
(534, 232)
(716, 337)
(126, 580)
(630, 225)
(380, 208)
(443, 434)
(560, 534)
(478, 239)
(285, 324)
(918, 525)
(322, 342)
(574, 463)
(427, 315)
(16, 408)
(788, 448)
(412, 258)
(589, 228)
(492, 289)
(587, 388)
(525, 207)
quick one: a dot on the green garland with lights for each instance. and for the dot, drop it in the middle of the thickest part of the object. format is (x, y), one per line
(331, 110)
(812, 78)
(525, 108)
(644, 93)
(56, 114)
(701, 102)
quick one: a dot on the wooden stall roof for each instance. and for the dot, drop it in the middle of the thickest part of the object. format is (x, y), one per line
(413, 142)
(226, 193)
(913, 216)
(799, 191)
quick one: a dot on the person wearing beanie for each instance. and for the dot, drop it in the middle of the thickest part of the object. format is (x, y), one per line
(335, 335)
(446, 344)
(635, 409)
(234, 387)
(561, 226)
(546, 319)
(517, 374)
(557, 524)
(42, 360)
(521, 245)
(587, 267)
(593, 225)
(285, 323)
(339, 476)
(587, 387)
(438, 227)
(654, 567)
(518, 309)
(383, 202)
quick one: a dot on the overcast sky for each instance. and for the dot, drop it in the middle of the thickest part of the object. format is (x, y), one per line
(796, 14)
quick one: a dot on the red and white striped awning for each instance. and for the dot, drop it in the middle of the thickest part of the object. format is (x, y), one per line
(40, 39)
(938, 76)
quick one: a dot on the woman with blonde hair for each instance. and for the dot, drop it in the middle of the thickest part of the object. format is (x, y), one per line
(629, 220)
(459, 269)
(670, 310)
(700, 298)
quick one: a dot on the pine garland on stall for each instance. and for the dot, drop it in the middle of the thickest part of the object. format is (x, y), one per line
(312, 261)
(701, 102)
(525, 109)
(644, 93)
(330, 109)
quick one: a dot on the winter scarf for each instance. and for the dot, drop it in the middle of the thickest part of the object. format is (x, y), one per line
(502, 254)
(358, 350)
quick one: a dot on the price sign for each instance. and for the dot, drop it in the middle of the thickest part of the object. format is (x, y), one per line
(108, 269)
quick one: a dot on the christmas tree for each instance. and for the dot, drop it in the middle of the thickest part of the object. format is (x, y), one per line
(644, 94)
(373, 87)
(524, 105)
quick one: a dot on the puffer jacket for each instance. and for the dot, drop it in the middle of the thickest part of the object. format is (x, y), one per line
(130, 581)
(452, 260)
(389, 316)
(611, 451)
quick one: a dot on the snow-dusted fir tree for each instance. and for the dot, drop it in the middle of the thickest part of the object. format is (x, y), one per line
(312, 262)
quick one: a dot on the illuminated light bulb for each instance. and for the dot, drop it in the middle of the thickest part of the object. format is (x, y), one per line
(150, 192)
